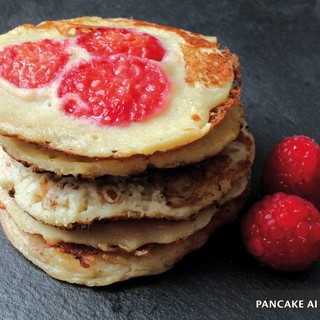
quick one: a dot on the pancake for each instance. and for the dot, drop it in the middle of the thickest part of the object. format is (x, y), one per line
(198, 84)
(92, 267)
(43, 159)
(123, 145)
(174, 194)
(128, 235)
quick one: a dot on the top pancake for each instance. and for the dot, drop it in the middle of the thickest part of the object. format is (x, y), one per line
(200, 78)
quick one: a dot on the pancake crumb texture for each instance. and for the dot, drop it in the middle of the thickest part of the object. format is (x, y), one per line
(174, 194)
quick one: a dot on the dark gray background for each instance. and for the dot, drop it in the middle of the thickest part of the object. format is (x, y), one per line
(279, 49)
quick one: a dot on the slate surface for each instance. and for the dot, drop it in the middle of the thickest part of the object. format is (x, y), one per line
(279, 49)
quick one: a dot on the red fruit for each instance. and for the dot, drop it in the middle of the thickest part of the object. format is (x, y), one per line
(109, 41)
(283, 232)
(33, 64)
(113, 91)
(293, 167)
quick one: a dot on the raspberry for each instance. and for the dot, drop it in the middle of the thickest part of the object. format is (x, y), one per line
(108, 41)
(283, 232)
(33, 64)
(114, 91)
(293, 167)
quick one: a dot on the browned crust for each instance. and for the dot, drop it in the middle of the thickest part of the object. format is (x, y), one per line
(210, 69)
(218, 113)
(80, 252)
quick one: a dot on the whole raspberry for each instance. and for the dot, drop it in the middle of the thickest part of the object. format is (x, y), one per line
(293, 167)
(283, 232)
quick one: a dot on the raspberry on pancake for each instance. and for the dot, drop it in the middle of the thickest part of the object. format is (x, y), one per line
(118, 90)
(33, 64)
(110, 41)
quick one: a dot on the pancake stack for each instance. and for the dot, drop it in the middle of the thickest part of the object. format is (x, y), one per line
(123, 145)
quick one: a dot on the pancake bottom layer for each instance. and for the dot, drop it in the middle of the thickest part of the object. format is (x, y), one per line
(92, 267)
